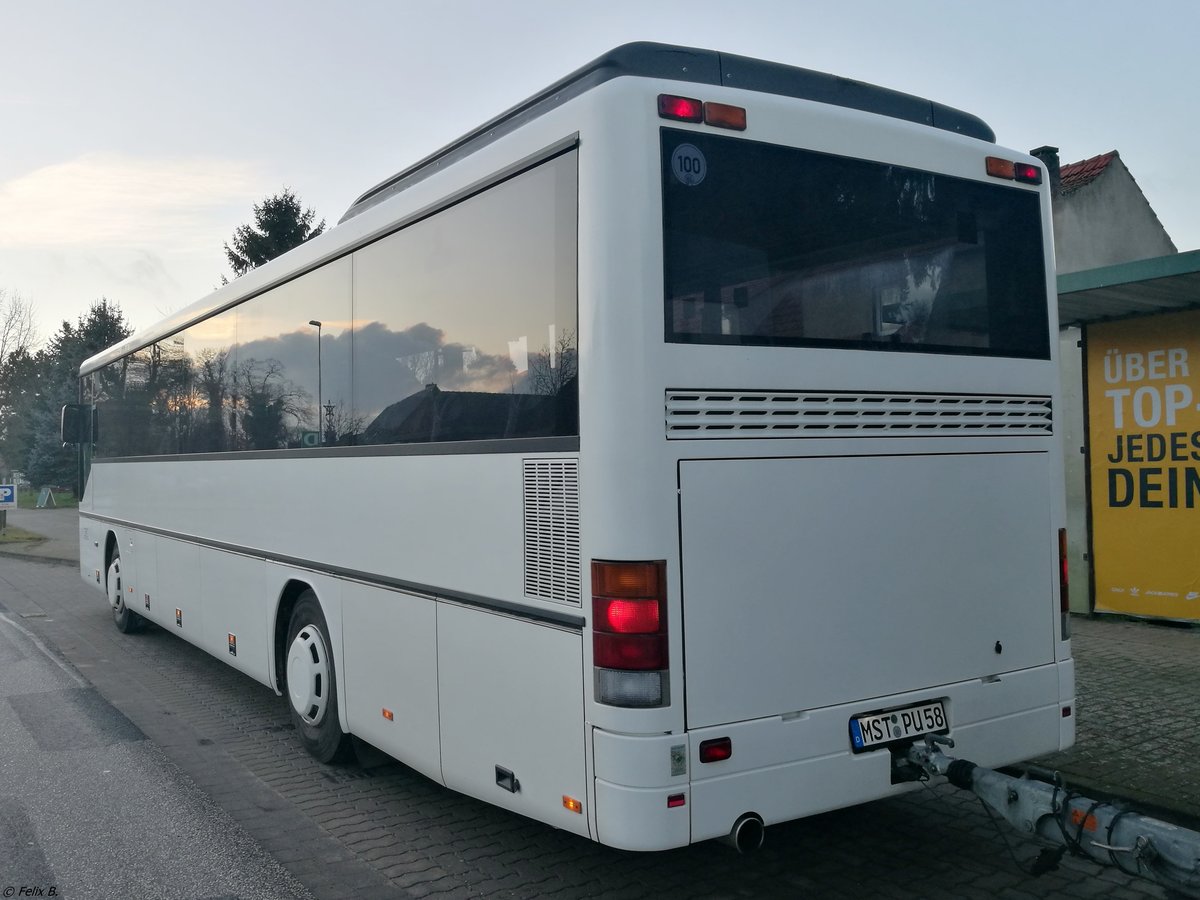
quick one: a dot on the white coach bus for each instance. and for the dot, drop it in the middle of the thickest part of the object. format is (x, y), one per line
(658, 461)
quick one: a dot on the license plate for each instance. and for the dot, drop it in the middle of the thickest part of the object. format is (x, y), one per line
(895, 725)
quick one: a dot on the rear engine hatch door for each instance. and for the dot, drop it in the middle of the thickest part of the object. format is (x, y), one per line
(817, 581)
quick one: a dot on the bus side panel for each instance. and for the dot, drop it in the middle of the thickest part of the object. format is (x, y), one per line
(145, 580)
(178, 567)
(511, 697)
(393, 668)
(234, 594)
(91, 552)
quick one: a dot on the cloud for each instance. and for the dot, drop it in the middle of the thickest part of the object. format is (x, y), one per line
(115, 201)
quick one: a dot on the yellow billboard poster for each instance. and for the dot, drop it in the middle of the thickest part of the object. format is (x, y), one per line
(1143, 383)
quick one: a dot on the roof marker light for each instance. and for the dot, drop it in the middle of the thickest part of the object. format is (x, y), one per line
(1028, 173)
(685, 109)
(1001, 168)
(723, 115)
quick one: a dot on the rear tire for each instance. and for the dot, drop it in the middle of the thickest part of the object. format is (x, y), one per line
(312, 683)
(126, 620)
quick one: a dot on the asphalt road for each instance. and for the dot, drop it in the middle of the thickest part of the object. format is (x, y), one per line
(89, 807)
(195, 769)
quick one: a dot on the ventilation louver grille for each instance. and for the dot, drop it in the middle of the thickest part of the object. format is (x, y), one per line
(552, 529)
(790, 414)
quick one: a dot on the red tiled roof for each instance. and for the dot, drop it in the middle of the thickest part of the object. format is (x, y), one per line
(1076, 175)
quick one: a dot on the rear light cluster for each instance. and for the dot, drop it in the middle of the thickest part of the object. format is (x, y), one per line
(687, 109)
(629, 633)
(1064, 597)
(998, 167)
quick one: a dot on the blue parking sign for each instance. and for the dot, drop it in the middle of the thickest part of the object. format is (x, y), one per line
(8, 496)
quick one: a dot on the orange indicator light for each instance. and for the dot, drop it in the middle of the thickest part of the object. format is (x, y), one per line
(1089, 822)
(572, 804)
(389, 715)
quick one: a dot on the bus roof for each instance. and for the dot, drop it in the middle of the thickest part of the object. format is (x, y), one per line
(650, 60)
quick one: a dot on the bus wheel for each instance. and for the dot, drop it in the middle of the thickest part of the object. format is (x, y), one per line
(127, 621)
(311, 685)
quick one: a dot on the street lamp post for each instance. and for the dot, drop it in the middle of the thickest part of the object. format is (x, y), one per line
(320, 427)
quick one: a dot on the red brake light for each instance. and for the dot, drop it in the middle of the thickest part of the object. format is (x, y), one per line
(685, 109)
(627, 616)
(716, 750)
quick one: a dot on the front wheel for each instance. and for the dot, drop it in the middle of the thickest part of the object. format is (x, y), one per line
(311, 683)
(126, 620)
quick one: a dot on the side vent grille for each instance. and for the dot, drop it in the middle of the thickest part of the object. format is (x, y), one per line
(552, 529)
(791, 414)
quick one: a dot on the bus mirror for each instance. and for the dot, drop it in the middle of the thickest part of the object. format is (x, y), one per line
(72, 424)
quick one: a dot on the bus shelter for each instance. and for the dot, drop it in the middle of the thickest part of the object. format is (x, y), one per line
(1139, 384)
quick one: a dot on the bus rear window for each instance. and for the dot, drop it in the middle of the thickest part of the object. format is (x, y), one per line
(774, 246)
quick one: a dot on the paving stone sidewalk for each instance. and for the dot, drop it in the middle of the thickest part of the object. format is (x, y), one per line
(1138, 712)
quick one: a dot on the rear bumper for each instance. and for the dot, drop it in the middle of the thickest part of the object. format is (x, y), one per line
(788, 767)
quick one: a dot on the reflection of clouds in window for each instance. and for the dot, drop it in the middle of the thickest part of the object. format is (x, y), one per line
(518, 352)
(453, 308)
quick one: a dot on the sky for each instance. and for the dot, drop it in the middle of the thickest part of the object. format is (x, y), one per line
(136, 135)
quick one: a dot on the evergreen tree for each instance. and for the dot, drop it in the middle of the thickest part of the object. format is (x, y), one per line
(280, 223)
(34, 388)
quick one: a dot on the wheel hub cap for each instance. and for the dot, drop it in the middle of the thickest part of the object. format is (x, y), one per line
(308, 675)
(114, 585)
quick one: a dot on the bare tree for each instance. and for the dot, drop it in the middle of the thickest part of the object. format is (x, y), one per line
(552, 368)
(18, 331)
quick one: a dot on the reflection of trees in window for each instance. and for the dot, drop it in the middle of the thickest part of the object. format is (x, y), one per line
(213, 379)
(268, 410)
(341, 424)
(165, 400)
(552, 369)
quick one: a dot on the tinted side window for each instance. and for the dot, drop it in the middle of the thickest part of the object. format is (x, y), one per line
(286, 391)
(170, 397)
(463, 327)
(465, 322)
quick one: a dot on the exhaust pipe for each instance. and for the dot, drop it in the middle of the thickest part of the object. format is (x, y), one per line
(747, 834)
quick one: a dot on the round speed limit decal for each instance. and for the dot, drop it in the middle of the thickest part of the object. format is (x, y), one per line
(688, 164)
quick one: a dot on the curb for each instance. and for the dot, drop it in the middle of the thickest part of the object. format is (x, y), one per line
(21, 551)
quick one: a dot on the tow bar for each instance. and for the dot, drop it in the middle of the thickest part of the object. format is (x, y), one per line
(1135, 844)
